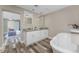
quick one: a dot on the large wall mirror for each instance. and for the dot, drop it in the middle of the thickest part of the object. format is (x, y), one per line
(29, 20)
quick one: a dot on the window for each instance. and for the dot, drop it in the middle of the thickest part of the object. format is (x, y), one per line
(11, 21)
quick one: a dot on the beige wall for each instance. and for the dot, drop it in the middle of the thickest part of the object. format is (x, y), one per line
(58, 21)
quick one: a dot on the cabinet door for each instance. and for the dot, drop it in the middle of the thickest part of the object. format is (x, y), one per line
(36, 36)
(41, 35)
(44, 34)
(30, 38)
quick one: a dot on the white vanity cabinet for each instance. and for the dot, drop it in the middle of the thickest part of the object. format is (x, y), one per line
(34, 36)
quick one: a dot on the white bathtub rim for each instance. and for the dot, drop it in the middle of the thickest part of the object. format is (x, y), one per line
(62, 50)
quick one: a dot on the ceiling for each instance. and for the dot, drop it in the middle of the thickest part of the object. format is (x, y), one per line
(43, 9)
(11, 16)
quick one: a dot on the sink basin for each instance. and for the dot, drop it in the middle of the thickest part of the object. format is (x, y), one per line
(74, 30)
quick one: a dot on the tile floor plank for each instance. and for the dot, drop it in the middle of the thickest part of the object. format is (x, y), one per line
(45, 44)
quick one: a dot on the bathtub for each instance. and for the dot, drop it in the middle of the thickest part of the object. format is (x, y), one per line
(62, 43)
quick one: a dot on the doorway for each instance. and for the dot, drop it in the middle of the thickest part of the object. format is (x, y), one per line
(11, 24)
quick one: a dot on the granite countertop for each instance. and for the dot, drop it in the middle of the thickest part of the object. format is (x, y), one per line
(26, 30)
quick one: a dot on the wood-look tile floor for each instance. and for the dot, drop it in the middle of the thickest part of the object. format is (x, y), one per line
(39, 47)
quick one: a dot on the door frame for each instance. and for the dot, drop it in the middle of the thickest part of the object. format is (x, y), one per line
(2, 10)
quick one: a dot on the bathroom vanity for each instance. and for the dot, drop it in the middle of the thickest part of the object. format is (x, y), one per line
(35, 36)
